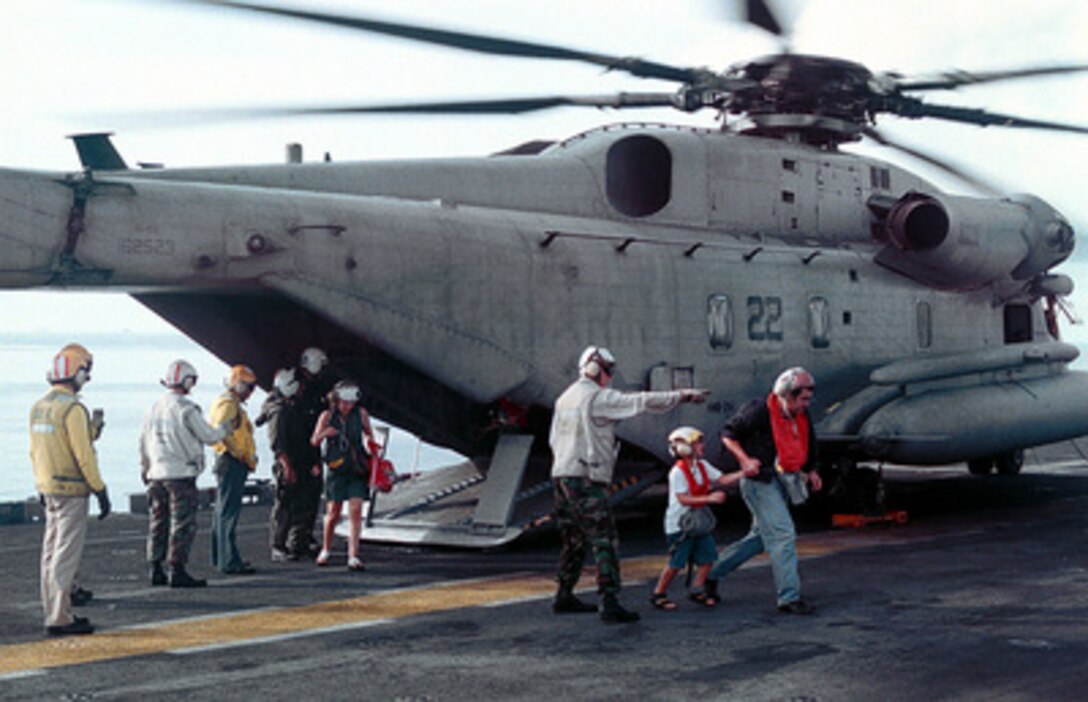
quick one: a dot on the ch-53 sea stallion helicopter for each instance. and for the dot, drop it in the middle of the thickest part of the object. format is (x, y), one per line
(461, 291)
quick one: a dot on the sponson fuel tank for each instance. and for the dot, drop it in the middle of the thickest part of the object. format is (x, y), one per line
(948, 408)
(985, 420)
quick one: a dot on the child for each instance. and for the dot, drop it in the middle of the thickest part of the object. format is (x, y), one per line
(690, 483)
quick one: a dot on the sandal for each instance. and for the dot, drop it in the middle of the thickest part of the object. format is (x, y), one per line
(322, 558)
(661, 601)
(703, 598)
(355, 564)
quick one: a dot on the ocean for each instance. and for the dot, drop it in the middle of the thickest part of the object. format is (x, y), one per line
(124, 383)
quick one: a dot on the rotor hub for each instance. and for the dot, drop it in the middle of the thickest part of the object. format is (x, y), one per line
(796, 91)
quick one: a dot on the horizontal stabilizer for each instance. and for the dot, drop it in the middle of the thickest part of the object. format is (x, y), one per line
(97, 152)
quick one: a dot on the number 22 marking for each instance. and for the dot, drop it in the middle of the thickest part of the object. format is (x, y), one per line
(765, 318)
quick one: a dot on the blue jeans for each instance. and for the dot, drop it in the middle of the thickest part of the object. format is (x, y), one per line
(231, 476)
(772, 531)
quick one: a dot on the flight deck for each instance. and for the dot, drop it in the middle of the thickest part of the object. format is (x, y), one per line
(981, 594)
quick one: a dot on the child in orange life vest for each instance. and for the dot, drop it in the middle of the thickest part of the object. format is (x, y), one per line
(690, 487)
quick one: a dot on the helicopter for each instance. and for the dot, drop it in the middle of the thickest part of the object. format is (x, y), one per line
(461, 291)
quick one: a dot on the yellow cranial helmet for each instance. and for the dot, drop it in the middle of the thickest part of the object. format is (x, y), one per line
(241, 375)
(72, 363)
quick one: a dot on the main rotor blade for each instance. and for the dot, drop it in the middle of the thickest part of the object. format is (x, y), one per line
(474, 42)
(955, 171)
(499, 106)
(954, 79)
(759, 13)
(909, 107)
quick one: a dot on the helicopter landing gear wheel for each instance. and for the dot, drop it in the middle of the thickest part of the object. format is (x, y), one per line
(858, 490)
(1009, 463)
(980, 466)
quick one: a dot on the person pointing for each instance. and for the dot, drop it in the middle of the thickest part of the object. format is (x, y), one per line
(583, 442)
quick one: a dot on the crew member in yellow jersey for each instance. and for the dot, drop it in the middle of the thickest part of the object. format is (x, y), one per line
(236, 457)
(65, 474)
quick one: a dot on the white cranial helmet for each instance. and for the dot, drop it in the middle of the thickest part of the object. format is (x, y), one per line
(682, 439)
(347, 391)
(285, 382)
(180, 374)
(313, 360)
(594, 360)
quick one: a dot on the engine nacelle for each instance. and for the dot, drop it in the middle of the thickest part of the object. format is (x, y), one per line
(962, 243)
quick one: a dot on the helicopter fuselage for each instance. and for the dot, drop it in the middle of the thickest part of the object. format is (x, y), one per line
(701, 259)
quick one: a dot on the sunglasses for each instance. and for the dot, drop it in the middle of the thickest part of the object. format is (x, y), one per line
(796, 392)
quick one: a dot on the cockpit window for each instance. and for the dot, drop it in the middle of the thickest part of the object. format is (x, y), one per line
(638, 175)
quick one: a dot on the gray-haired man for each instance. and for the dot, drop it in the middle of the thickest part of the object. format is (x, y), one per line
(768, 436)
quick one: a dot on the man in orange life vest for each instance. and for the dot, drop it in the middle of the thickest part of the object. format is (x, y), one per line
(767, 437)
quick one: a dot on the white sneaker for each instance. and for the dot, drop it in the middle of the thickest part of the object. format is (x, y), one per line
(322, 558)
(354, 563)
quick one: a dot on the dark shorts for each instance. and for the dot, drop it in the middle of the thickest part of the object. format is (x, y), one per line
(701, 549)
(342, 485)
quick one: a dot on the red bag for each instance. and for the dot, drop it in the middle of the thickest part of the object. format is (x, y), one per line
(382, 473)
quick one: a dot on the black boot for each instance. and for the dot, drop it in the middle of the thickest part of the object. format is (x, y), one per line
(158, 575)
(566, 602)
(80, 596)
(614, 613)
(180, 578)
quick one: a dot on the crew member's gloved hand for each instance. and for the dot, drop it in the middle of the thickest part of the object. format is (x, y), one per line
(104, 506)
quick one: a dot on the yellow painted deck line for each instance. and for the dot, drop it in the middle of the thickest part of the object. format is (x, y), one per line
(264, 623)
(268, 623)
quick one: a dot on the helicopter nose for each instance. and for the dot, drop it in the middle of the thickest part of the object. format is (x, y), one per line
(1060, 237)
(1050, 235)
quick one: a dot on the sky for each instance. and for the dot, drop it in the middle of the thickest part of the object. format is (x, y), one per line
(88, 65)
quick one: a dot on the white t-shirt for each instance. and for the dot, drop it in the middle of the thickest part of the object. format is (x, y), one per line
(678, 485)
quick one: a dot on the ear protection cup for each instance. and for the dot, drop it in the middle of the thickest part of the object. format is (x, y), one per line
(681, 449)
(72, 364)
(681, 441)
(595, 360)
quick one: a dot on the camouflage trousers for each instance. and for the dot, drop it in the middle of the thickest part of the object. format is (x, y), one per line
(291, 524)
(172, 506)
(584, 517)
